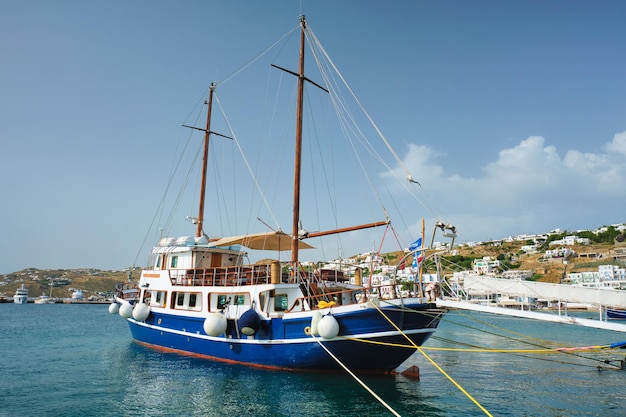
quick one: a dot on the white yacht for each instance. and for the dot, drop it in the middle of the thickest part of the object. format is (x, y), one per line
(21, 295)
(44, 299)
(77, 295)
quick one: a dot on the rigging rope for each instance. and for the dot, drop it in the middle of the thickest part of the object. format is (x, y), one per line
(161, 205)
(399, 161)
(256, 183)
(254, 59)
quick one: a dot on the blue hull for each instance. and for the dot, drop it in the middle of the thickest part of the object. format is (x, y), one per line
(283, 344)
(615, 314)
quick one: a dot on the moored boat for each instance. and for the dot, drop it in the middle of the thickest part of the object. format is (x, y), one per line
(77, 296)
(44, 299)
(21, 295)
(615, 314)
(199, 296)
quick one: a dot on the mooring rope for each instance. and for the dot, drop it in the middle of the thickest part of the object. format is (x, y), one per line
(368, 389)
(439, 368)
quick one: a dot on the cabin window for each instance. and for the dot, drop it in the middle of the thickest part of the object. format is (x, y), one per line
(157, 298)
(281, 302)
(174, 263)
(192, 300)
(222, 300)
(262, 300)
(158, 262)
(187, 301)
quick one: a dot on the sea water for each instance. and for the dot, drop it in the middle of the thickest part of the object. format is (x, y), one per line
(79, 360)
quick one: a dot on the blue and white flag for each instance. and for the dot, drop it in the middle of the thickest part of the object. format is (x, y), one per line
(415, 245)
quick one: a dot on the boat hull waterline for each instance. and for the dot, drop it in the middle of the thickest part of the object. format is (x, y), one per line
(380, 351)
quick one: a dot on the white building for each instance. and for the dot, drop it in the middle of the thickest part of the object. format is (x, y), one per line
(571, 240)
(485, 266)
(607, 276)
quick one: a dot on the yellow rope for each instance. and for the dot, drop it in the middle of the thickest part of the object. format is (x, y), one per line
(480, 350)
(368, 389)
(456, 384)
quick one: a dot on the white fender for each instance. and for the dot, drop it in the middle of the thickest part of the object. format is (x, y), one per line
(315, 320)
(328, 327)
(126, 310)
(141, 312)
(114, 308)
(215, 324)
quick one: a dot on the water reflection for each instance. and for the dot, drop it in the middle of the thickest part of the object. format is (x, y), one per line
(158, 384)
(153, 383)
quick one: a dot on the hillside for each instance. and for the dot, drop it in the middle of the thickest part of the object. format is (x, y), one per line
(92, 282)
(587, 258)
(101, 284)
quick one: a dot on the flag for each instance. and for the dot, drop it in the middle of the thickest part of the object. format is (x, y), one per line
(415, 245)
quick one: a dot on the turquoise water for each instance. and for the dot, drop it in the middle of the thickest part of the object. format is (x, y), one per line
(78, 360)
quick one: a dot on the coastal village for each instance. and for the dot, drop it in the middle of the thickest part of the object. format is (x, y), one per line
(589, 258)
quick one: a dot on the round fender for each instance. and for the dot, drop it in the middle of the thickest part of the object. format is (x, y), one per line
(126, 310)
(114, 308)
(328, 327)
(141, 312)
(215, 324)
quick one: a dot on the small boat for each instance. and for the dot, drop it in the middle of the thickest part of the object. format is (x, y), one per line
(21, 295)
(198, 295)
(44, 299)
(77, 296)
(615, 314)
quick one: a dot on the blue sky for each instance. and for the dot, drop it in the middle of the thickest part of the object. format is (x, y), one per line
(511, 114)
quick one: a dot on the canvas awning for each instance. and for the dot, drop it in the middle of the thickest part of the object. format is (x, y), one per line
(261, 241)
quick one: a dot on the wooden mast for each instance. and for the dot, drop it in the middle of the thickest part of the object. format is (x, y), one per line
(298, 155)
(205, 156)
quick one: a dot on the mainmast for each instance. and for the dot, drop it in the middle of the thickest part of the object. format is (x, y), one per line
(298, 156)
(205, 156)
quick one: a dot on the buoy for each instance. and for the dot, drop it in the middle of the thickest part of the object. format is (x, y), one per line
(114, 308)
(249, 322)
(328, 327)
(141, 312)
(315, 320)
(126, 310)
(215, 324)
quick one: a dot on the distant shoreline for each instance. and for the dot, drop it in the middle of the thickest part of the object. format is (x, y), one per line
(10, 301)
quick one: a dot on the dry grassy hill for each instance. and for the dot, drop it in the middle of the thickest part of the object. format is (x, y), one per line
(92, 282)
(95, 282)
(552, 270)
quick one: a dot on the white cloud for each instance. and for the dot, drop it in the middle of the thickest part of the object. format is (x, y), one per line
(529, 188)
(618, 144)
